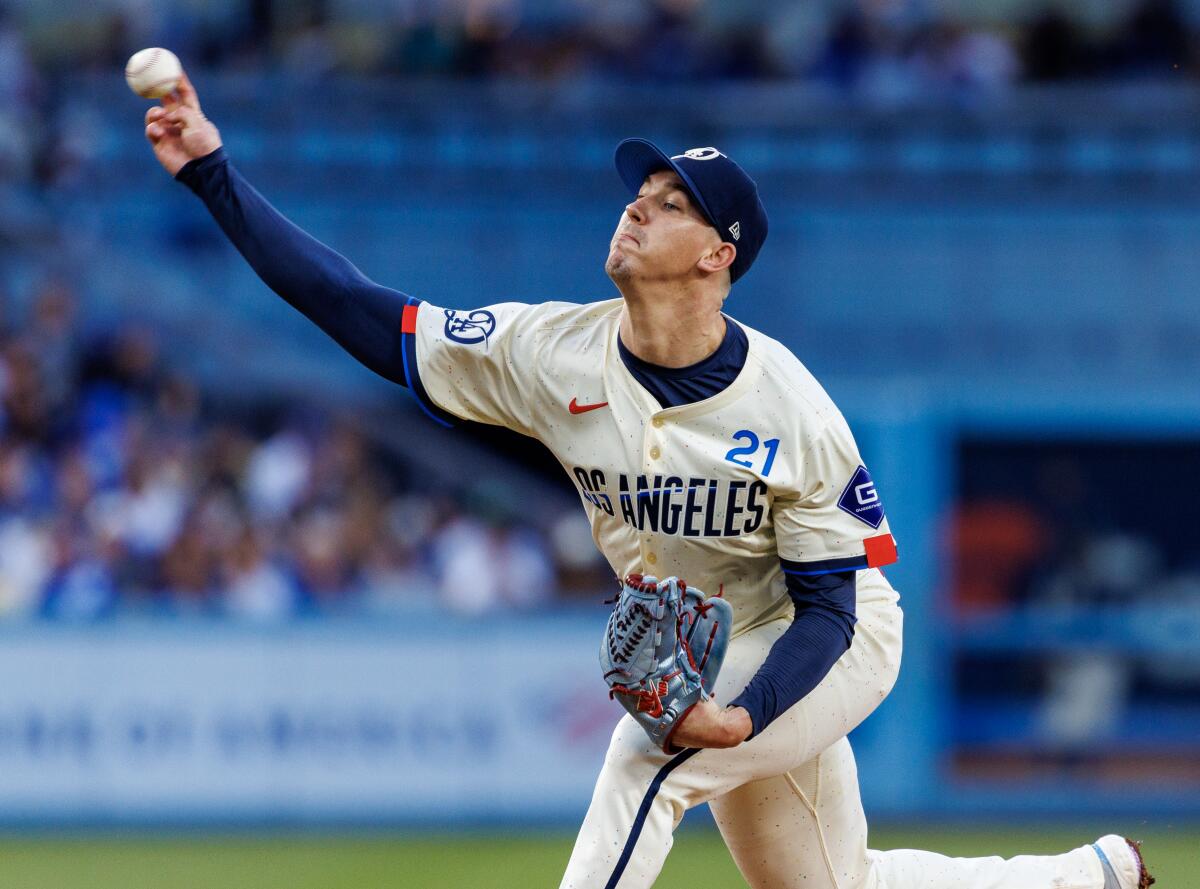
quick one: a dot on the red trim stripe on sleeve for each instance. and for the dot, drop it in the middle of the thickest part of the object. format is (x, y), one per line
(881, 550)
(408, 321)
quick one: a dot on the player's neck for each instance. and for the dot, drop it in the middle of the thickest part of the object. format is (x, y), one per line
(668, 334)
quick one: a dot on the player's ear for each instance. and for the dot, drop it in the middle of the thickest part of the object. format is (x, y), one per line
(717, 258)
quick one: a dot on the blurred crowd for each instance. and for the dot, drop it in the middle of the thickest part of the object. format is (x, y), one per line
(122, 489)
(880, 53)
(848, 43)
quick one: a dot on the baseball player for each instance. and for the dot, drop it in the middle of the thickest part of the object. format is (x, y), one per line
(701, 449)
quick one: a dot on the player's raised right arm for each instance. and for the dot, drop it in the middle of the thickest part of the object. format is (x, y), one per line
(362, 316)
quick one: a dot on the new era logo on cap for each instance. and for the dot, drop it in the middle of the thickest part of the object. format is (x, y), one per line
(726, 196)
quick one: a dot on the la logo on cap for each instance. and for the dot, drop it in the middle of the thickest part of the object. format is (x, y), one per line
(736, 230)
(702, 154)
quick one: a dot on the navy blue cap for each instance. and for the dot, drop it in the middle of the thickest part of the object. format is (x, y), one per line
(726, 196)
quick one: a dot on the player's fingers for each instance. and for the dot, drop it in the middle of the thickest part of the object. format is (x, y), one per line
(182, 117)
(157, 129)
(172, 100)
(187, 93)
(154, 113)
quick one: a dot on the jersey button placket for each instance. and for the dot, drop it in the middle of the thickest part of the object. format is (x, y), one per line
(653, 453)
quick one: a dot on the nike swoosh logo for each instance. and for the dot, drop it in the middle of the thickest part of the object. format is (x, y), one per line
(577, 408)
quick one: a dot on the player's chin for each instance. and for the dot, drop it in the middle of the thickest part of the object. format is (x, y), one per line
(617, 266)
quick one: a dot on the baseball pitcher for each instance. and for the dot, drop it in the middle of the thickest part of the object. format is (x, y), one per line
(712, 465)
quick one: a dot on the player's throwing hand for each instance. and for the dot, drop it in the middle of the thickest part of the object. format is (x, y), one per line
(178, 131)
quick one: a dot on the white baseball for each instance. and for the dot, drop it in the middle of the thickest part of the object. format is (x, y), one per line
(153, 72)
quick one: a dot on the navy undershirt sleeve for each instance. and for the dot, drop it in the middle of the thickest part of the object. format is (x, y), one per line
(820, 634)
(362, 316)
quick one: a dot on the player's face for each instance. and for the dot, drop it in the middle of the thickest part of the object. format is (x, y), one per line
(661, 236)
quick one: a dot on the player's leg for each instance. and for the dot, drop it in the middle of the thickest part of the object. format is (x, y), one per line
(802, 828)
(642, 793)
(911, 868)
(635, 809)
(806, 830)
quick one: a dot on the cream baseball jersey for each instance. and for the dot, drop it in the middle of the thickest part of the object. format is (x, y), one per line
(727, 493)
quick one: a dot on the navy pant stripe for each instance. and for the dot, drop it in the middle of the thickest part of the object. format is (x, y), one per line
(643, 811)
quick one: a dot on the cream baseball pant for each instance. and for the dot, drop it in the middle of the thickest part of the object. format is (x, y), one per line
(787, 802)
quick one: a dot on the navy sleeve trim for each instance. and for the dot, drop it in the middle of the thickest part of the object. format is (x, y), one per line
(412, 373)
(824, 566)
(879, 551)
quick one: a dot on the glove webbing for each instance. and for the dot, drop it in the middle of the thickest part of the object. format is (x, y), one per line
(645, 620)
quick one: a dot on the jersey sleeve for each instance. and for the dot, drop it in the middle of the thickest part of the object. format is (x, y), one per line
(472, 364)
(834, 520)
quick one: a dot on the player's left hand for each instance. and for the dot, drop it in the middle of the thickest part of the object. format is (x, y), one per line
(708, 725)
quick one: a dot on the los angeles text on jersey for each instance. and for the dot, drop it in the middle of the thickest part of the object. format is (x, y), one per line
(691, 507)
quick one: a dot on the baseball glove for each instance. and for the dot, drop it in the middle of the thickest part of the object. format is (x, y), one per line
(662, 650)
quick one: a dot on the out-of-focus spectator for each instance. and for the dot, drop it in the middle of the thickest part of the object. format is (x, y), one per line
(277, 474)
(82, 585)
(26, 564)
(146, 514)
(255, 586)
(187, 576)
(25, 410)
(322, 566)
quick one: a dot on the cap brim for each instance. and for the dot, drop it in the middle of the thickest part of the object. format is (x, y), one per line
(637, 158)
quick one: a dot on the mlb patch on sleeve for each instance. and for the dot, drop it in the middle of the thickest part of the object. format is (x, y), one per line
(861, 500)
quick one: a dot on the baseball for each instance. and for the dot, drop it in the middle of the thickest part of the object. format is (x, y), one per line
(153, 72)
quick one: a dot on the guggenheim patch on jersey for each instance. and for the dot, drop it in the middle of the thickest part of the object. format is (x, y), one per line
(728, 493)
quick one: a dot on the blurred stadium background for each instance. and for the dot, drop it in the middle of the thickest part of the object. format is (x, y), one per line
(262, 623)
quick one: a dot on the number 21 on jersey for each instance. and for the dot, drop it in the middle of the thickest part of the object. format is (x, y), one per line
(748, 455)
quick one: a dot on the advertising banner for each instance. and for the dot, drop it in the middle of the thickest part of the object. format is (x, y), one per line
(320, 723)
